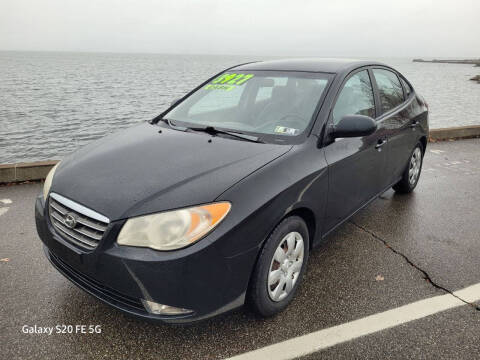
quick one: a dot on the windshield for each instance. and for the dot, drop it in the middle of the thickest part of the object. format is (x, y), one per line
(258, 102)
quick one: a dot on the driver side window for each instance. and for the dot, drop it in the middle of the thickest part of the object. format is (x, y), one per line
(356, 98)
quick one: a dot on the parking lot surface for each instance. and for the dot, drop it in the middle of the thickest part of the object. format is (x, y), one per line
(399, 250)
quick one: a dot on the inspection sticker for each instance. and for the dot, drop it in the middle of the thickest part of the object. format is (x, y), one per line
(286, 130)
(228, 81)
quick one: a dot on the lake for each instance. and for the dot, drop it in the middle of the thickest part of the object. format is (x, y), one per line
(51, 103)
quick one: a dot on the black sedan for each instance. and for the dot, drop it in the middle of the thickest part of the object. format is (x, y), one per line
(218, 201)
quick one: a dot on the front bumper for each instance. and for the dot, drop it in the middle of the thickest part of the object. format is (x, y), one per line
(197, 278)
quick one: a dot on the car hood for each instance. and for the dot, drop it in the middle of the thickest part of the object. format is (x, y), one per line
(139, 170)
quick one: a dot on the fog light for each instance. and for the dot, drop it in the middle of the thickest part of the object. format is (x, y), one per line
(159, 309)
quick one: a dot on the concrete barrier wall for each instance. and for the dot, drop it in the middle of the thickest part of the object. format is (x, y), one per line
(462, 132)
(25, 171)
(11, 173)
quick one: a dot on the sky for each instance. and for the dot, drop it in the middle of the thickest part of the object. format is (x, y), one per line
(405, 28)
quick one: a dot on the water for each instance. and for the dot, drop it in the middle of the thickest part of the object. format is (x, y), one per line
(53, 103)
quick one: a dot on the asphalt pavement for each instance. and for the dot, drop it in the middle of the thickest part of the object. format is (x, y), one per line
(397, 251)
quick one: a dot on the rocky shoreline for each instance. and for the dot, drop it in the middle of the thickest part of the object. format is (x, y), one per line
(474, 62)
(476, 78)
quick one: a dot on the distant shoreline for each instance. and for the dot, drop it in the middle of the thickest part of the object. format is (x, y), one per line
(475, 62)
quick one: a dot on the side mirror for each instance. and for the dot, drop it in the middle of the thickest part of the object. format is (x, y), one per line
(354, 126)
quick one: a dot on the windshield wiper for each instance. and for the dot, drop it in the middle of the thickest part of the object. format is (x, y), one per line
(214, 131)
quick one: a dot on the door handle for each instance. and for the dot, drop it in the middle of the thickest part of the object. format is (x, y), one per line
(380, 143)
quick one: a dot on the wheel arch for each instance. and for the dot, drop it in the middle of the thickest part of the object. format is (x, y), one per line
(306, 214)
(309, 217)
(423, 141)
(302, 211)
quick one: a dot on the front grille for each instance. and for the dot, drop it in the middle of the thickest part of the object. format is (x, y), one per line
(88, 226)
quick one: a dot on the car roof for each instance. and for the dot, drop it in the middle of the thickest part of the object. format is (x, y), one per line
(326, 65)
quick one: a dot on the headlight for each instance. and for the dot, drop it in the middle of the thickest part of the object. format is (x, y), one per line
(48, 182)
(173, 229)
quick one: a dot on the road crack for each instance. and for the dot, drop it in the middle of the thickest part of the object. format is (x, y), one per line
(425, 274)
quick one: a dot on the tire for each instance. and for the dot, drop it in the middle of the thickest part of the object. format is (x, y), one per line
(287, 236)
(415, 162)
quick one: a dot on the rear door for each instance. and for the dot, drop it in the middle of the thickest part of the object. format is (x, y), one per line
(356, 166)
(395, 118)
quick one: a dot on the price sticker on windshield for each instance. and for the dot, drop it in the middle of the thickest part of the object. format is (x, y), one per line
(228, 81)
(286, 130)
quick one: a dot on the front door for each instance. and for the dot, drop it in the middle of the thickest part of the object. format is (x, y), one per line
(356, 166)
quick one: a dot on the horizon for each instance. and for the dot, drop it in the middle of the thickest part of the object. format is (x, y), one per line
(459, 57)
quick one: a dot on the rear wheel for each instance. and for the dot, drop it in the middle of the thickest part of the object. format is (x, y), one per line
(279, 268)
(412, 171)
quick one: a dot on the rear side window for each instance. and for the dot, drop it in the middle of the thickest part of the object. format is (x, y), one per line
(356, 98)
(389, 88)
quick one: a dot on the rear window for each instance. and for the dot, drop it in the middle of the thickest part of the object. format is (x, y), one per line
(389, 88)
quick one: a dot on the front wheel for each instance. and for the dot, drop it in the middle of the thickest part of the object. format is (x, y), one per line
(279, 268)
(412, 172)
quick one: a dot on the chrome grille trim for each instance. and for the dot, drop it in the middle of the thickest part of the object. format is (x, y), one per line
(74, 238)
(79, 208)
(90, 225)
(82, 231)
(80, 218)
